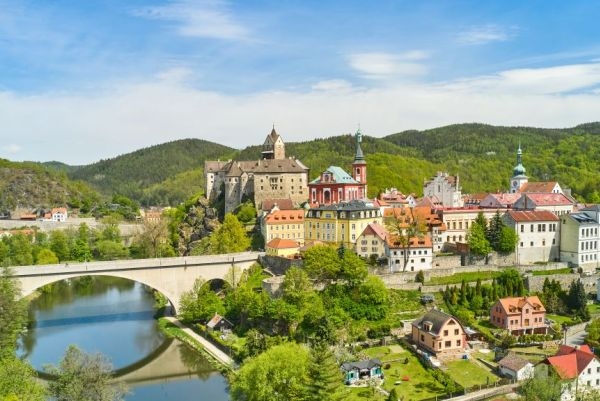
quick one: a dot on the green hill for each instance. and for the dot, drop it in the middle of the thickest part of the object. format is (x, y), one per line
(145, 175)
(27, 186)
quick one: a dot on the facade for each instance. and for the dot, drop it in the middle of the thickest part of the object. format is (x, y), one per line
(273, 177)
(439, 333)
(516, 368)
(372, 241)
(445, 189)
(579, 238)
(578, 367)
(539, 235)
(518, 178)
(284, 224)
(420, 254)
(334, 185)
(284, 248)
(519, 315)
(340, 223)
(56, 214)
(458, 221)
(558, 204)
(362, 370)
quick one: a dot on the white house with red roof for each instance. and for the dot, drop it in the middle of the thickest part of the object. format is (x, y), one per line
(539, 235)
(371, 241)
(419, 253)
(558, 204)
(57, 214)
(578, 367)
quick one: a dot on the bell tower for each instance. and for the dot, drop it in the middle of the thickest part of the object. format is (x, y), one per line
(518, 178)
(359, 166)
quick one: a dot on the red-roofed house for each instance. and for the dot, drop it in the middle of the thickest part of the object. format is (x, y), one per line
(550, 187)
(519, 315)
(285, 224)
(371, 241)
(419, 254)
(539, 235)
(500, 200)
(558, 204)
(578, 365)
(285, 248)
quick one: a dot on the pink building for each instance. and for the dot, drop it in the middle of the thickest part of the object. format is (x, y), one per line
(519, 315)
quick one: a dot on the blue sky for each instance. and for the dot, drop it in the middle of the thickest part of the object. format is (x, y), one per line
(86, 80)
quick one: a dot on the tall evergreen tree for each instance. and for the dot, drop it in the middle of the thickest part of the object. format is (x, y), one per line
(325, 380)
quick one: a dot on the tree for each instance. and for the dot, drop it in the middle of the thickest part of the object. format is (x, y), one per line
(81, 249)
(59, 244)
(353, 269)
(246, 212)
(200, 303)
(577, 297)
(230, 237)
(18, 381)
(296, 286)
(508, 240)
(46, 257)
(110, 250)
(478, 243)
(154, 234)
(13, 313)
(84, 377)
(404, 227)
(545, 385)
(278, 374)
(322, 263)
(325, 378)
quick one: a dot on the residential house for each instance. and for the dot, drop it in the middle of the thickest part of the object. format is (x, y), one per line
(219, 323)
(340, 223)
(272, 177)
(285, 224)
(445, 188)
(427, 219)
(362, 370)
(419, 254)
(499, 201)
(578, 367)
(547, 187)
(439, 333)
(334, 185)
(580, 234)
(539, 235)
(395, 198)
(515, 367)
(285, 248)
(457, 222)
(59, 214)
(371, 242)
(559, 204)
(519, 315)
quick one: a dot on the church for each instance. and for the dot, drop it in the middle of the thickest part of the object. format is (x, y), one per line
(272, 176)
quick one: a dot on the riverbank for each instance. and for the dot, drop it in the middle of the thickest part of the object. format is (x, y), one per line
(172, 327)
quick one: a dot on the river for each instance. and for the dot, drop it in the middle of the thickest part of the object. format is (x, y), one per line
(115, 317)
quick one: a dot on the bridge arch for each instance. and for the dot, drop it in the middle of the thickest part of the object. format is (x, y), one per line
(170, 276)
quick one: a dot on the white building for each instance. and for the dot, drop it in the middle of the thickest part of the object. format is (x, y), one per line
(578, 367)
(445, 189)
(580, 235)
(558, 204)
(420, 254)
(516, 368)
(539, 235)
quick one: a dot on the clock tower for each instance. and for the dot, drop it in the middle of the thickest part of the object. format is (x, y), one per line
(518, 178)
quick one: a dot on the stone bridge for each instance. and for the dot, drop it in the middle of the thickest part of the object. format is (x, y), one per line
(170, 276)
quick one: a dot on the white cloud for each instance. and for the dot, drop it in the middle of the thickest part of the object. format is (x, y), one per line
(11, 149)
(86, 127)
(201, 18)
(175, 75)
(485, 34)
(386, 65)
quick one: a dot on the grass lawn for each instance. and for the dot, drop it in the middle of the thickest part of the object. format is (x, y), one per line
(459, 277)
(420, 384)
(566, 270)
(594, 309)
(560, 318)
(469, 373)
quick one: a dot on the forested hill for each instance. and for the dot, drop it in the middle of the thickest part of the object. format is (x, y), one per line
(25, 186)
(484, 155)
(162, 174)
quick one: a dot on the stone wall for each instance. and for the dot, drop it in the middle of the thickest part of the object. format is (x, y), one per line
(535, 283)
(278, 265)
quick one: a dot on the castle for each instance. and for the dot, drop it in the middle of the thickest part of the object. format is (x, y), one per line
(273, 176)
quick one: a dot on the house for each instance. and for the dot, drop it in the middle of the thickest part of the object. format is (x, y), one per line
(59, 214)
(578, 367)
(445, 188)
(359, 370)
(539, 235)
(372, 241)
(284, 224)
(285, 248)
(219, 323)
(268, 205)
(334, 185)
(340, 223)
(558, 204)
(519, 315)
(272, 177)
(499, 200)
(580, 234)
(548, 187)
(427, 219)
(419, 251)
(439, 333)
(457, 222)
(395, 198)
(516, 368)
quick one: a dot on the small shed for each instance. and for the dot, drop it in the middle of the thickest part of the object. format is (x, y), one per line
(515, 367)
(219, 323)
(367, 369)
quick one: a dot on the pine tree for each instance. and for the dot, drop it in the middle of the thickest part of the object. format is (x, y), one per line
(325, 380)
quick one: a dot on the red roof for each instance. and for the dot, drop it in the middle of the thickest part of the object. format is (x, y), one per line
(282, 204)
(543, 187)
(281, 243)
(549, 199)
(528, 216)
(569, 361)
(375, 229)
(515, 304)
(285, 216)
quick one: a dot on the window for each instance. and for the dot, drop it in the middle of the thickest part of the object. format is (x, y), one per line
(423, 337)
(455, 332)
(445, 332)
(447, 344)
(458, 343)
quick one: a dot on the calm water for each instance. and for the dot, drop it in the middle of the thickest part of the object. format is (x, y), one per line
(115, 317)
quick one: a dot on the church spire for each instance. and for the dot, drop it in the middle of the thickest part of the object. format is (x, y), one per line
(358, 157)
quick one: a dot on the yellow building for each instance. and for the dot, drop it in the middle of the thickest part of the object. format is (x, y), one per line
(284, 248)
(340, 223)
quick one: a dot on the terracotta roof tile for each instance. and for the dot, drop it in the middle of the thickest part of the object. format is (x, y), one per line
(532, 215)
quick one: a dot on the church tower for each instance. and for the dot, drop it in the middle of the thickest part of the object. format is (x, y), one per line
(359, 166)
(273, 147)
(519, 178)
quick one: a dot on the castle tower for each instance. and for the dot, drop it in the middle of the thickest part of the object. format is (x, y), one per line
(518, 178)
(273, 147)
(359, 166)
